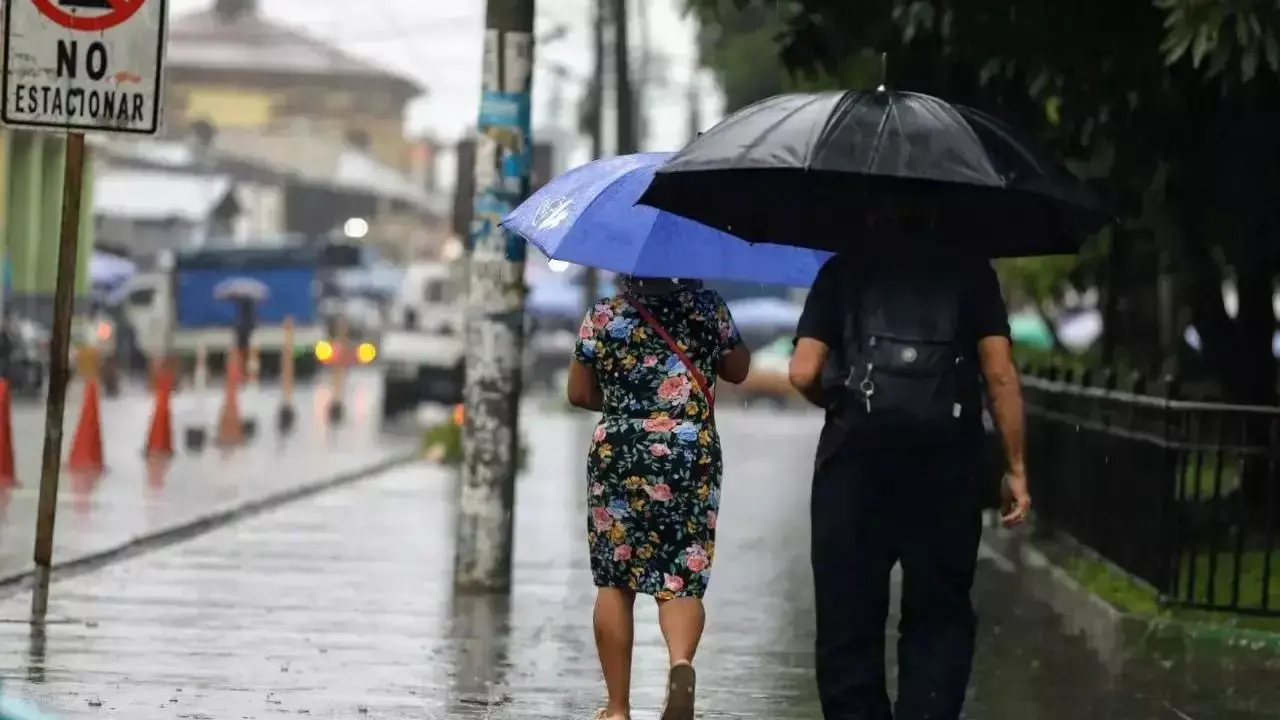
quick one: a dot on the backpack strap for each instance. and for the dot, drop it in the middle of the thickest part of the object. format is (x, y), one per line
(698, 378)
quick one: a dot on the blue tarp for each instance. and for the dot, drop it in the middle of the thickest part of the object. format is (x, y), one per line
(292, 293)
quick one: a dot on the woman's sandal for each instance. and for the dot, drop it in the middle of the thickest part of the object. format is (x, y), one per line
(603, 714)
(681, 683)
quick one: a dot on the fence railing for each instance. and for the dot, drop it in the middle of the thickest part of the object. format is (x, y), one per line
(1184, 496)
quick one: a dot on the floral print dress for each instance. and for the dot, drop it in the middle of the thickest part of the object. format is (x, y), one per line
(654, 466)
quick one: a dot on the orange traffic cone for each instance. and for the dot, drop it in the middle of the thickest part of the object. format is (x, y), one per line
(230, 429)
(160, 437)
(86, 447)
(8, 476)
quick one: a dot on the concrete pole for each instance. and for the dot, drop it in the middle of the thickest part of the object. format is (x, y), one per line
(495, 304)
(591, 283)
(628, 139)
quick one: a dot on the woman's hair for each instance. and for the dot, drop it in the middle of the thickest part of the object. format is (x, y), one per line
(639, 285)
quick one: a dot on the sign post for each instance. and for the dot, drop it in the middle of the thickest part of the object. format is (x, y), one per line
(76, 66)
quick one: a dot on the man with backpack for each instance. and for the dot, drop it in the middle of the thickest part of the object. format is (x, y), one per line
(896, 343)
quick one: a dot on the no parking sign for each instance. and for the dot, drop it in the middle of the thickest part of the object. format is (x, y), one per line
(84, 65)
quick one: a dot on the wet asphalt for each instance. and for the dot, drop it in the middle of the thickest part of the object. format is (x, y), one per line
(341, 607)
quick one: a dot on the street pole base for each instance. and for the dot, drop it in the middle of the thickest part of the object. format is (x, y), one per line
(40, 592)
(286, 418)
(196, 439)
(336, 412)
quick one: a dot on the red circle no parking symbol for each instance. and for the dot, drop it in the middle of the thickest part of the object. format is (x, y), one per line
(88, 16)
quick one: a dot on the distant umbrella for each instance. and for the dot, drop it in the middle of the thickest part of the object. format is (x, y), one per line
(241, 288)
(1079, 331)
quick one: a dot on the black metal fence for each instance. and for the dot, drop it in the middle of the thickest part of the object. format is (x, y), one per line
(1184, 496)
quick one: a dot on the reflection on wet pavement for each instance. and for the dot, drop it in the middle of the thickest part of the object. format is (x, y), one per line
(135, 497)
(341, 607)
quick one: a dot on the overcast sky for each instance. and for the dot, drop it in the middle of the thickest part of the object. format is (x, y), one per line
(438, 42)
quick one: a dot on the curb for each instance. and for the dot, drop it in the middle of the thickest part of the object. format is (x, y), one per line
(1114, 634)
(193, 527)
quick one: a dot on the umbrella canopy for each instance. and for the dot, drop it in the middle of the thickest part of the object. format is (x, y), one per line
(109, 270)
(806, 169)
(588, 216)
(241, 288)
(1030, 330)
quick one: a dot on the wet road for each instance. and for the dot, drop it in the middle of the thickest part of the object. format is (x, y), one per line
(128, 500)
(341, 607)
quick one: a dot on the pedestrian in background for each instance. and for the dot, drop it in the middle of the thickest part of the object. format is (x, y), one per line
(648, 359)
(894, 343)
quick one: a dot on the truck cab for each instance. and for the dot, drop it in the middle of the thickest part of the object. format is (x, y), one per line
(422, 344)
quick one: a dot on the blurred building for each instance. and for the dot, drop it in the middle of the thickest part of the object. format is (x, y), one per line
(31, 171)
(310, 139)
(234, 69)
(140, 212)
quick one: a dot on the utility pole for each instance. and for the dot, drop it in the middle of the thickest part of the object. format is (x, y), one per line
(694, 121)
(591, 279)
(627, 140)
(495, 304)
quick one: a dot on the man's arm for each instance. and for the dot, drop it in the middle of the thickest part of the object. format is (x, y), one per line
(1005, 392)
(995, 356)
(805, 371)
(819, 329)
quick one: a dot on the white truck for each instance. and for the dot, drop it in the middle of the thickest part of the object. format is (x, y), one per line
(422, 349)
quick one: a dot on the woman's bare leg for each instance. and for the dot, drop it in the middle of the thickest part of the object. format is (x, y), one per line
(615, 632)
(682, 621)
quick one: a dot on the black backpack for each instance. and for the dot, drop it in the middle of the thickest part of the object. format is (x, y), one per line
(904, 359)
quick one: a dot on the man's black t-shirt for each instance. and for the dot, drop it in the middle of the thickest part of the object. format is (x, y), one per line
(983, 313)
(823, 319)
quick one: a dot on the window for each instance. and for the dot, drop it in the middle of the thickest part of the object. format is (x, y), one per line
(436, 292)
(142, 297)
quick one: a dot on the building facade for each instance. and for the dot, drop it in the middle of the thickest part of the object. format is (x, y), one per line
(31, 174)
(235, 70)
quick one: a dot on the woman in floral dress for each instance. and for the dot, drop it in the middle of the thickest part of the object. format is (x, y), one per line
(654, 468)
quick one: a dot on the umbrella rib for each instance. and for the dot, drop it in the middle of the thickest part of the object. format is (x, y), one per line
(874, 156)
(850, 98)
(765, 134)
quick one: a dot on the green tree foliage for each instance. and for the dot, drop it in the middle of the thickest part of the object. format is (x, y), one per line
(1169, 106)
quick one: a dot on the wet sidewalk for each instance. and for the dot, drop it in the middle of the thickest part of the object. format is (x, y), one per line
(341, 607)
(128, 501)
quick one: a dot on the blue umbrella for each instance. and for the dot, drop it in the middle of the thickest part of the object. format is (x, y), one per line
(588, 216)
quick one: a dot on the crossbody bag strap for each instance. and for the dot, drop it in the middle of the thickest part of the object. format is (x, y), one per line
(698, 378)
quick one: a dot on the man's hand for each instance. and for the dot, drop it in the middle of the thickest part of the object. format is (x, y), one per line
(1017, 501)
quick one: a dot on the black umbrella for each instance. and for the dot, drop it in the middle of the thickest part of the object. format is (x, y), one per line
(805, 169)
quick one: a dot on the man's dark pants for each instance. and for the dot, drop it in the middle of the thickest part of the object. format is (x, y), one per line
(878, 499)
